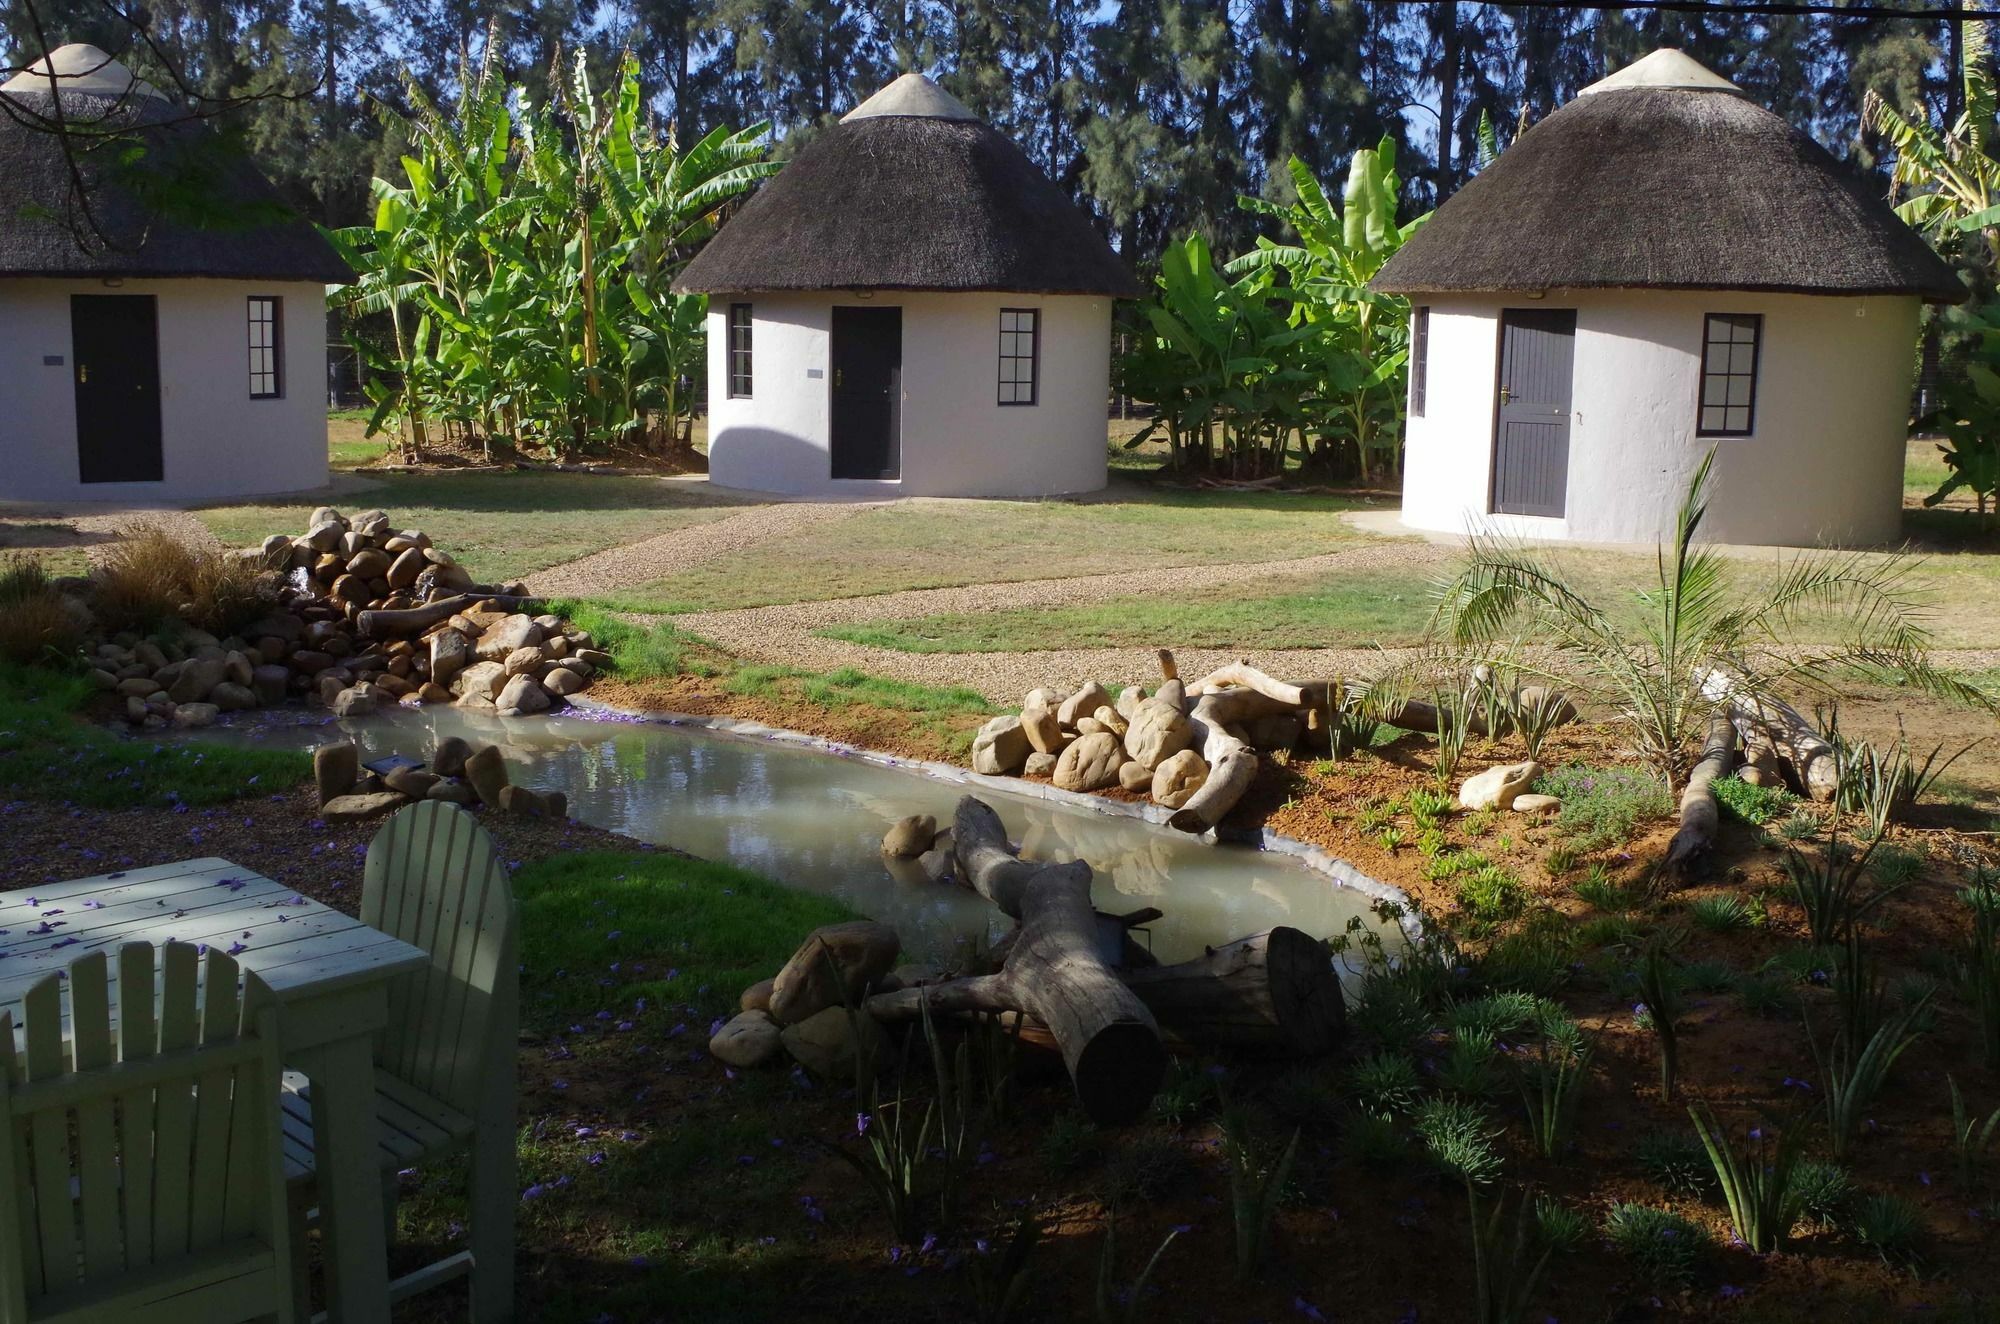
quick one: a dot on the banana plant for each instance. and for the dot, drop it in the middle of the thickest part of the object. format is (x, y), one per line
(1952, 183)
(1968, 414)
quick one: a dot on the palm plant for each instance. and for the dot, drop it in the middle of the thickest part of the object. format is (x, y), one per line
(1658, 671)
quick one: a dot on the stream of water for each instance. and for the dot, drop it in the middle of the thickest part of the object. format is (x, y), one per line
(815, 820)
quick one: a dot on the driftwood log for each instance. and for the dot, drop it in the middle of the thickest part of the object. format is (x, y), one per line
(1271, 993)
(1768, 720)
(1699, 813)
(1055, 972)
(1232, 766)
(386, 622)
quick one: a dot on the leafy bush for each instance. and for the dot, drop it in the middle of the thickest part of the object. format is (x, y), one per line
(1721, 913)
(1490, 894)
(1663, 1246)
(1603, 807)
(1824, 1191)
(35, 624)
(1892, 1227)
(1498, 1013)
(1676, 1162)
(152, 577)
(1755, 805)
(1384, 1082)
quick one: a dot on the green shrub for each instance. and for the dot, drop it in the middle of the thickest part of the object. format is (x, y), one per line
(1603, 807)
(1601, 891)
(1676, 1162)
(1564, 1228)
(1824, 1191)
(1894, 866)
(1663, 1246)
(1755, 805)
(1763, 993)
(1470, 1065)
(1721, 913)
(1534, 959)
(1490, 894)
(1384, 1082)
(1497, 1013)
(1892, 1227)
(35, 624)
(1070, 1144)
(1801, 825)
(1391, 1015)
(1373, 1140)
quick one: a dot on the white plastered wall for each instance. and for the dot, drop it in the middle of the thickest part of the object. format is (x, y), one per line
(215, 440)
(957, 440)
(1824, 466)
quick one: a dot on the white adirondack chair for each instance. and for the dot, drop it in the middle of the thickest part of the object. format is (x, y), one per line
(445, 1074)
(141, 1179)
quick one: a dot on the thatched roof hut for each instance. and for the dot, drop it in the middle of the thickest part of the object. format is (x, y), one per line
(1664, 176)
(910, 191)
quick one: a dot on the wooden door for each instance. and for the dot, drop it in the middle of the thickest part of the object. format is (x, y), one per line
(115, 345)
(1531, 429)
(867, 414)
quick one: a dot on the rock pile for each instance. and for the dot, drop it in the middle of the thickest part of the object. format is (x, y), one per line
(803, 1009)
(369, 616)
(457, 771)
(1091, 741)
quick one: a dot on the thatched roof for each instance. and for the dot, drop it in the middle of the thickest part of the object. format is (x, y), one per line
(910, 191)
(187, 206)
(1665, 176)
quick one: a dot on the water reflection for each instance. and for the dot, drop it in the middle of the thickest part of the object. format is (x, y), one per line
(815, 821)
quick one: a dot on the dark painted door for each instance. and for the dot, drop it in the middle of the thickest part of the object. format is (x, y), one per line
(115, 345)
(867, 392)
(1531, 435)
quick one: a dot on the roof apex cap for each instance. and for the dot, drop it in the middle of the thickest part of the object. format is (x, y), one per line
(912, 95)
(83, 68)
(1667, 68)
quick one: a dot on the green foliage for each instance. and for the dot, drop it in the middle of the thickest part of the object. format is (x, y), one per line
(1800, 825)
(1827, 885)
(1000, 1282)
(1755, 805)
(1186, 1093)
(1853, 1074)
(849, 685)
(1676, 1162)
(1498, 1013)
(1391, 1015)
(1241, 369)
(1663, 1246)
(1759, 1182)
(1661, 1005)
(48, 752)
(1149, 1167)
(1723, 912)
(1490, 894)
(525, 264)
(1508, 1271)
(1458, 1137)
(1471, 1064)
(1533, 959)
(1825, 1191)
(1374, 1140)
(1256, 1186)
(1884, 784)
(1970, 1137)
(1603, 807)
(1978, 966)
(1551, 1082)
(1893, 1228)
(1384, 1082)
(1454, 724)
(639, 652)
(1657, 676)
(35, 624)
(1069, 1144)
(1127, 1305)
(1601, 891)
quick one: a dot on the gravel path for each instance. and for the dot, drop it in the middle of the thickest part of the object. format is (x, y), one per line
(784, 634)
(650, 559)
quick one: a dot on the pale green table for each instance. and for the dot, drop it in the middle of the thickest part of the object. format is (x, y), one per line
(331, 975)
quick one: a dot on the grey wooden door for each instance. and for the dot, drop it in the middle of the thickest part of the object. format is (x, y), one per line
(114, 339)
(1531, 428)
(867, 392)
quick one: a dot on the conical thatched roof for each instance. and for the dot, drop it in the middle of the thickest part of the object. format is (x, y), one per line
(910, 191)
(1665, 176)
(216, 215)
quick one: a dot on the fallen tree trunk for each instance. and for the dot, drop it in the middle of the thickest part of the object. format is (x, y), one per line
(1273, 992)
(1244, 676)
(1699, 813)
(1055, 971)
(1232, 766)
(1771, 720)
(384, 622)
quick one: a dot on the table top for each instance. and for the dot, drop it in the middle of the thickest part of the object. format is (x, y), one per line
(299, 947)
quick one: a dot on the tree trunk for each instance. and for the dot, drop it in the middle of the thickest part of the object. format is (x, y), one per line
(387, 622)
(1055, 972)
(1232, 766)
(1273, 992)
(1771, 720)
(1699, 814)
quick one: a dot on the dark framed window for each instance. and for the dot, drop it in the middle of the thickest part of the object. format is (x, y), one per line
(267, 347)
(1020, 354)
(739, 351)
(1731, 343)
(1420, 358)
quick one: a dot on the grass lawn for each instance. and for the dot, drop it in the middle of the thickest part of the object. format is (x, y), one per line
(501, 525)
(348, 445)
(935, 543)
(47, 753)
(57, 545)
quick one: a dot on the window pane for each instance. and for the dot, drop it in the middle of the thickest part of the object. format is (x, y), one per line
(1711, 420)
(1742, 359)
(1739, 392)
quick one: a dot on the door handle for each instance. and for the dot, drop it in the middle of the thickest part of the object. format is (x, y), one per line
(1506, 396)
(836, 379)
(83, 373)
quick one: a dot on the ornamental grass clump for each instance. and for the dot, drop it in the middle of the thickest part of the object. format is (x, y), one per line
(1256, 1187)
(1978, 973)
(1663, 1246)
(152, 577)
(1759, 1182)
(35, 624)
(1852, 1078)
(1652, 660)
(1661, 1005)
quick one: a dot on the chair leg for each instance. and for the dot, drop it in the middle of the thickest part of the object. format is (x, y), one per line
(495, 1196)
(298, 1202)
(390, 1194)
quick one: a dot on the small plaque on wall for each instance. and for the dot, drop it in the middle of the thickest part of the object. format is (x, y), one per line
(815, 372)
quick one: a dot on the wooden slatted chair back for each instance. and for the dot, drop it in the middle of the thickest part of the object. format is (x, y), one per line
(434, 879)
(145, 1149)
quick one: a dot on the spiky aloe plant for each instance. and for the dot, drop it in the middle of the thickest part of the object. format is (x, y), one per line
(1758, 1183)
(1853, 1078)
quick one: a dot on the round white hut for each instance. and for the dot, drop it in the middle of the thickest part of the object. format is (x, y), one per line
(162, 317)
(1659, 268)
(909, 308)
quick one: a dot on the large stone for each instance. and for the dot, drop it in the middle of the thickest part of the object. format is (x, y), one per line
(200, 676)
(487, 772)
(833, 967)
(1044, 731)
(232, 698)
(1133, 776)
(1112, 720)
(1536, 804)
(1082, 704)
(357, 808)
(522, 697)
(369, 563)
(1000, 747)
(1040, 765)
(1129, 700)
(190, 715)
(354, 701)
(1091, 763)
(1158, 731)
(749, 1039)
(138, 687)
(909, 837)
(413, 782)
(1496, 788)
(523, 803)
(524, 661)
(483, 679)
(564, 681)
(448, 756)
(335, 769)
(832, 1044)
(504, 636)
(268, 681)
(1041, 698)
(757, 997)
(403, 571)
(325, 535)
(1177, 778)
(450, 651)
(451, 792)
